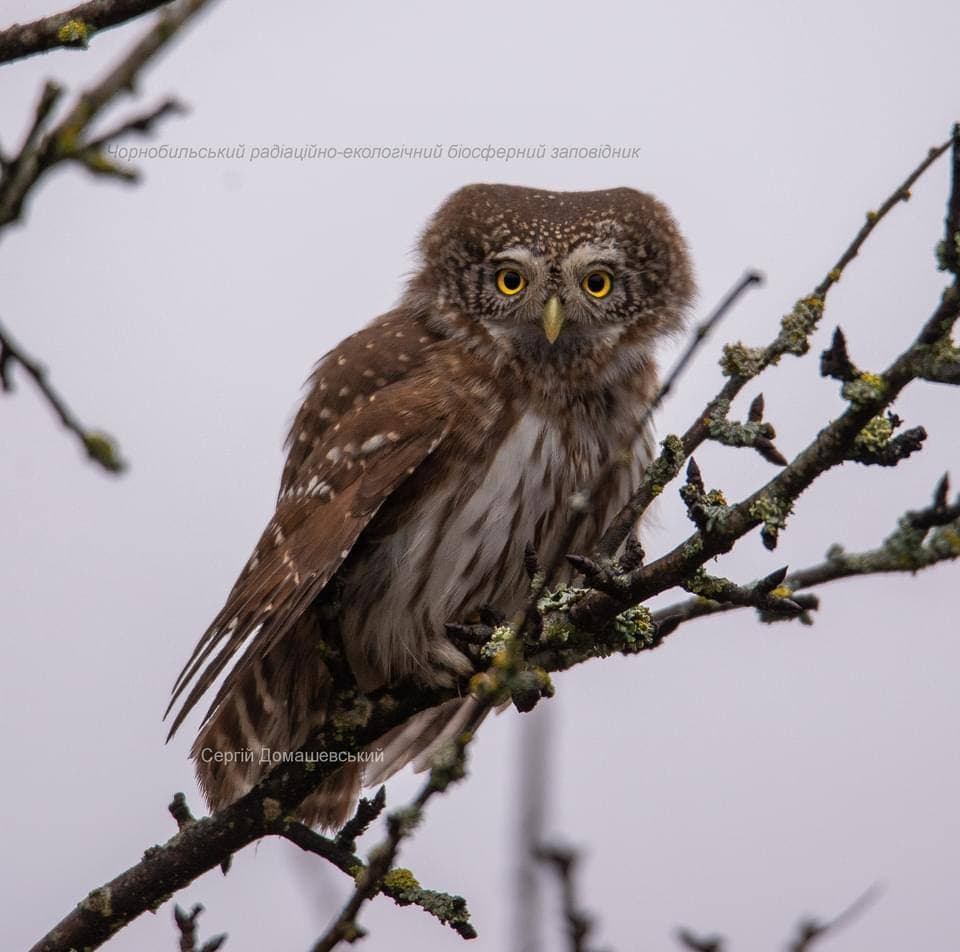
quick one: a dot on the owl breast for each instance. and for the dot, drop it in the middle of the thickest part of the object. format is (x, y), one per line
(465, 547)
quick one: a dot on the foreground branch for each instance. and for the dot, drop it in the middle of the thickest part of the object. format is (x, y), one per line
(381, 875)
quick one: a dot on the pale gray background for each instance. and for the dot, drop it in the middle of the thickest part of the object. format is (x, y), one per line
(731, 781)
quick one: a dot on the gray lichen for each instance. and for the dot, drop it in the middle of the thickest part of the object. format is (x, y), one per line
(797, 326)
(739, 360)
(865, 390)
(773, 513)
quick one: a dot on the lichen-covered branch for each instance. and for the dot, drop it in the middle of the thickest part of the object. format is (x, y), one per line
(922, 538)
(742, 363)
(867, 398)
(402, 887)
(71, 29)
(380, 874)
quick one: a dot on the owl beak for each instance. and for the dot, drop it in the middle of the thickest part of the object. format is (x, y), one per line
(553, 318)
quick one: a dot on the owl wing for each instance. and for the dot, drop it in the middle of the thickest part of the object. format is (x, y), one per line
(353, 469)
(362, 364)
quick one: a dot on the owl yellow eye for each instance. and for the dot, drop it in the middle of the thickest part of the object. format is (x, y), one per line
(510, 282)
(597, 284)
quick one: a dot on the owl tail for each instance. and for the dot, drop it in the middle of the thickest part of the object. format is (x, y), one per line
(274, 707)
(268, 713)
(418, 739)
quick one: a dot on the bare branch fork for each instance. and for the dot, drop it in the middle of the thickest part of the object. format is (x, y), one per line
(807, 934)
(569, 625)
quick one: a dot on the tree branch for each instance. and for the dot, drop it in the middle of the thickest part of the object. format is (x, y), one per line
(40, 152)
(448, 766)
(97, 445)
(71, 29)
(187, 926)
(564, 863)
(741, 364)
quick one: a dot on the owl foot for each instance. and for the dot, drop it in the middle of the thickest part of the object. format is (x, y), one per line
(477, 628)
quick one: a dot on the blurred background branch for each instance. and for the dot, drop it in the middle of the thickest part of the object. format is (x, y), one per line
(72, 29)
(45, 147)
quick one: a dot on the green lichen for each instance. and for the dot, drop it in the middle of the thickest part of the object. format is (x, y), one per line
(561, 599)
(635, 624)
(103, 450)
(865, 389)
(945, 542)
(738, 360)
(706, 586)
(942, 359)
(773, 514)
(348, 719)
(450, 910)
(905, 546)
(667, 465)
(797, 326)
(447, 766)
(734, 433)
(400, 880)
(943, 264)
(100, 901)
(875, 435)
(556, 628)
(74, 33)
(271, 810)
(500, 643)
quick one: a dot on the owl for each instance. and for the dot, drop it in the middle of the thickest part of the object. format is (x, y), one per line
(503, 396)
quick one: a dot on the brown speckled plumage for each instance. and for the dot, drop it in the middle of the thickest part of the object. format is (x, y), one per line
(432, 446)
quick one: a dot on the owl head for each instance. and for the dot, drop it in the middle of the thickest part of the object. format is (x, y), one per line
(576, 281)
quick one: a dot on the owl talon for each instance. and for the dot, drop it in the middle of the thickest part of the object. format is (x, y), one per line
(468, 636)
(488, 615)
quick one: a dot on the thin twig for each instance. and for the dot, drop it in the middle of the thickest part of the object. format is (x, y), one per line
(564, 863)
(700, 333)
(811, 931)
(187, 926)
(448, 767)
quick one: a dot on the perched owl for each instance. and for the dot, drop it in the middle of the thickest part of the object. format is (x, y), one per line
(504, 392)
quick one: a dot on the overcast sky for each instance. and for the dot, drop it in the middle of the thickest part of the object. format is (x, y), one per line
(732, 781)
